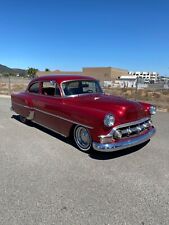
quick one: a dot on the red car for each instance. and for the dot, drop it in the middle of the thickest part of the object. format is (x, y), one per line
(76, 106)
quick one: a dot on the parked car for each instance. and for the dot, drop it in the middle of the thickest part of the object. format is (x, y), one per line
(76, 106)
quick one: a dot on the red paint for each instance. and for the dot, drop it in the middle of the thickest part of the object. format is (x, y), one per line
(88, 109)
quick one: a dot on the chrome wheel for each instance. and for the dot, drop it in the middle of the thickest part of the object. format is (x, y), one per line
(82, 138)
(22, 119)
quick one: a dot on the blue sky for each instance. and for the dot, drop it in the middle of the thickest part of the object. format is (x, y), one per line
(69, 35)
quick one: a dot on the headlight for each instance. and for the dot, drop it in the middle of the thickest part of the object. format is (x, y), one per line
(109, 120)
(152, 110)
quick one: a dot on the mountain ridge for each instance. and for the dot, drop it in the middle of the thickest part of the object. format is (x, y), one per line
(14, 71)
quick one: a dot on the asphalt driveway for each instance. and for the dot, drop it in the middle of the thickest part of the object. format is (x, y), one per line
(44, 180)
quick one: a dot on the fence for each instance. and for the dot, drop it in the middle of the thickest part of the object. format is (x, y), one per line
(11, 84)
(157, 94)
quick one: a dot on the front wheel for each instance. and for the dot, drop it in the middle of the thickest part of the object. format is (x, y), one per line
(82, 138)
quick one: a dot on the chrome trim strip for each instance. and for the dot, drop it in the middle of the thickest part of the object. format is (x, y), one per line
(25, 106)
(50, 114)
(77, 95)
(132, 123)
(62, 118)
(123, 144)
(49, 129)
(71, 121)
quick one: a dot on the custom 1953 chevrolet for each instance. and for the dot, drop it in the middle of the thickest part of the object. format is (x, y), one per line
(76, 106)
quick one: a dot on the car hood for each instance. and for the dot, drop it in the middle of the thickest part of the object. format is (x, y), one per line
(124, 110)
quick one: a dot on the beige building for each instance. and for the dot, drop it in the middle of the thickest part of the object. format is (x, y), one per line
(100, 73)
(104, 73)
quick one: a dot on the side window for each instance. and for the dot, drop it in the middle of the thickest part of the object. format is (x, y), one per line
(34, 88)
(50, 88)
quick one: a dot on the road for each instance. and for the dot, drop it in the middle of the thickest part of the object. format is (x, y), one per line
(44, 180)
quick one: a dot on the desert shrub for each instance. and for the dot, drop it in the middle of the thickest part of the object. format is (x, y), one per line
(2, 85)
(156, 95)
(165, 92)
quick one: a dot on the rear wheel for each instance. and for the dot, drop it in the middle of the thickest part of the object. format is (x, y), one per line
(23, 119)
(82, 138)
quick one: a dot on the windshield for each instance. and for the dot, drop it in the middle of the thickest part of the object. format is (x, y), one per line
(78, 87)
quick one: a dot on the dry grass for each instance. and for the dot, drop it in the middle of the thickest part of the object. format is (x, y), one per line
(158, 98)
(4, 88)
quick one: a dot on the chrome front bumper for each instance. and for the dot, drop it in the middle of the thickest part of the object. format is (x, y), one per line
(122, 144)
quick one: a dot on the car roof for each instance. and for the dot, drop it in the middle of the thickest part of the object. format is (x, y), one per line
(61, 78)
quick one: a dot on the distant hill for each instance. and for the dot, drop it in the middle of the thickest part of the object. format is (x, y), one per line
(20, 71)
(13, 71)
(5, 69)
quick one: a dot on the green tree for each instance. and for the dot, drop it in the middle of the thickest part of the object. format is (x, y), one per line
(32, 72)
(47, 70)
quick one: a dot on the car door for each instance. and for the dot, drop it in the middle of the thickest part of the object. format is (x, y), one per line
(48, 107)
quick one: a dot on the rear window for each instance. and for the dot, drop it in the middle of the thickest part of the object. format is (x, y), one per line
(34, 88)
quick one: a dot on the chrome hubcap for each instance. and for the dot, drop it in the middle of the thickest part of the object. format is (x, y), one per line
(82, 138)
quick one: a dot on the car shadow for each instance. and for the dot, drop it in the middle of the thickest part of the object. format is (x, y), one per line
(93, 154)
(43, 129)
(116, 154)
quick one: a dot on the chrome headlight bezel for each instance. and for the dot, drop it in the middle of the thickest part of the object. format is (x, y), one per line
(109, 120)
(152, 110)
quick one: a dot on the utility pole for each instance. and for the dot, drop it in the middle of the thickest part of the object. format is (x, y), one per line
(9, 85)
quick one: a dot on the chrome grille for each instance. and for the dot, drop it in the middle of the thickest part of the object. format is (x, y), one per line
(128, 130)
